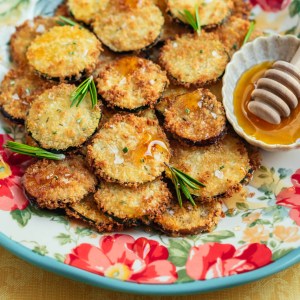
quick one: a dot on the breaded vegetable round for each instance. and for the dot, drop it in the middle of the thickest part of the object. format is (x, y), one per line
(131, 83)
(64, 53)
(55, 125)
(130, 150)
(192, 59)
(18, 89)
(196, 117)
(189, 219)
(221, 167)
(87, 211)
(211, 13)
(54, 184)
(25, 34)
(128, 25)
(127, 205)
(85, 10)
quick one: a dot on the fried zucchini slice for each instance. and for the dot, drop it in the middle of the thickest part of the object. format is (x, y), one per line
(128, 25)
(18, 89)
(128, 206)
(131, 83)
(55, 125)
(189, 219)
(221, 167)
(87, 211)
(211, 13)
(64, 53)
(196, 117)
(55, 184)
(130, 150)
(192, 59)
(85, 10)
(25, 34)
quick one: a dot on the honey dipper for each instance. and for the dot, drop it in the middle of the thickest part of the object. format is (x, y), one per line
(277, 93)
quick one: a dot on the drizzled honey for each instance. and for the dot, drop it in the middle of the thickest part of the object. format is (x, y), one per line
(127, 65)
(5, 170)
(190, 102)
(132, 3)
(287, 132)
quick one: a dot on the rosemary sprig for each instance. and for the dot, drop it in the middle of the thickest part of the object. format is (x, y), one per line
(250, 30)
(65, 21)
(32, 151)
(193, 21)
(81, 91)
(183, 183)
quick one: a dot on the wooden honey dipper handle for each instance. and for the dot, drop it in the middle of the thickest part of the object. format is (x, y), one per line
(277, 93)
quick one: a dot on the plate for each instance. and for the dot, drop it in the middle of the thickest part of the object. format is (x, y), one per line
(258, 236)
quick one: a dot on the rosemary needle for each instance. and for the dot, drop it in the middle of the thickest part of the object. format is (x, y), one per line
(250, 30)
(32, 151)
(192, 21)
(65, 21)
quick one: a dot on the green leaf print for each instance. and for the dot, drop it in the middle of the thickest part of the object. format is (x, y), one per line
(41, 250)
(21, 216)
(242, 206)
(294, 8)
(183, 277)
(283, 173)
(178, 252)
(81, 231)
(59, 257)
(218, 236)
(64, 238)
(281, 252)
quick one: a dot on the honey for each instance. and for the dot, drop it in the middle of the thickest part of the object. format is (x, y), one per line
(190, 102)
(285, 133)
(127, 65)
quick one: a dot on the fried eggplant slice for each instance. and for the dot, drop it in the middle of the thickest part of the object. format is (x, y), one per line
(196, 117)
(130, 150)
(128, 25)
(64, 53)
(188, 219)
(194, 60)
(128, 206)
(87, 211)
(18, 89)
(131, 83)
(25, 34)
(221, 167)
(53, 124)
(211, 13)
(55, 184)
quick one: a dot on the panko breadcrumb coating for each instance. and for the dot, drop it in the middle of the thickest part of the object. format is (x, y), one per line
(241, 8)
(194, 60)
(196, 117)
(55, 125)
(189, 219)
(211, 13)
(128, 206)
(18, 89)
(131, 83)
(25, 34)
(64, 53)
(54, 184)
(86, 210)
(63, 10)
(130, 150)
(221, 167)
(128, 25)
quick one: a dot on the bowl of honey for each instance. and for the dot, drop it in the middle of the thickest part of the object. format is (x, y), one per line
(247, 66)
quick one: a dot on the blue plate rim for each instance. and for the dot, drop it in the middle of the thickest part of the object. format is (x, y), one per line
(52, 265)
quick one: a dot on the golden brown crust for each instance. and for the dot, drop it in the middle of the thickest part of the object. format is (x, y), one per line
(194, 60)
(55, 125)
(131, 83)
(130, 205)
(18, 90)
(25, 34)
(128, 25)
(54, 184)
(63, 10)
(64, 53)
(130, 150)
(241, 8)
(196, 117)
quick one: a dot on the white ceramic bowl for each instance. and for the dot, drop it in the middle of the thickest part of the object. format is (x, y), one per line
(271, 48)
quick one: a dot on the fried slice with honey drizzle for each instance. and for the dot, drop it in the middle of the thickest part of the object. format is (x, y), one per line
(129, 149)
(55, 184)
(196, 117)
(188, 219)
(211, 13)
(194, 60)
(131, 83)
(128, 25)
(221, 167)
(18, 90)
(87, 211)
(128, 206)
